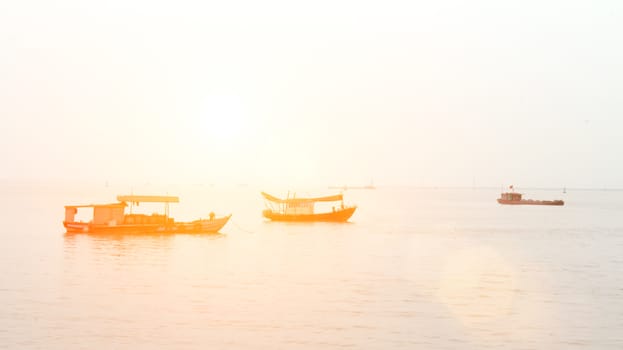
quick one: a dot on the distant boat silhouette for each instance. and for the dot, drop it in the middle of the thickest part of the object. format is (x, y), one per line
(346, 187)
(515, 198)
(343, 188)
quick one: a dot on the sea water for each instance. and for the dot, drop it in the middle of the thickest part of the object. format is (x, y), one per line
(414, 268)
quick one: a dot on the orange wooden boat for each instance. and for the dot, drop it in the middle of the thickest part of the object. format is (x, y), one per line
(302, 209)
(111, 218)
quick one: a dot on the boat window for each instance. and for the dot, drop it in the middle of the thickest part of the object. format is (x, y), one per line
(84, 215)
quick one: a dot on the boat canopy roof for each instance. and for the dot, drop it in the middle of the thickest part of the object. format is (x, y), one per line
(157, 199)
(334, 198)
(111, 205)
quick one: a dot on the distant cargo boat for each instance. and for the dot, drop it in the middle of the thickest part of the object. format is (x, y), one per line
(515, 198)
(302, 209)
(111, 218)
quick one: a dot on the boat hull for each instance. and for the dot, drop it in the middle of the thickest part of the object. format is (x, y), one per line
(341, 215)
(530, 202)
(198, 226)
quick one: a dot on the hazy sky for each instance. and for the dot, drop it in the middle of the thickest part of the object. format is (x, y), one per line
(322, 92)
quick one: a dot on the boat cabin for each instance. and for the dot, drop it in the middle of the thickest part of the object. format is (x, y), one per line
(114, 213)
(511, 196)
(103, 214)
(299, 208)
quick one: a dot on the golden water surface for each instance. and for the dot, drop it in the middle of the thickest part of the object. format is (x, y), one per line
(415, 268)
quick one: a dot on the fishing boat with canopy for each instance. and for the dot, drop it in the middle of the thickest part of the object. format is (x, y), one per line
(297, 209)
(112, 218)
